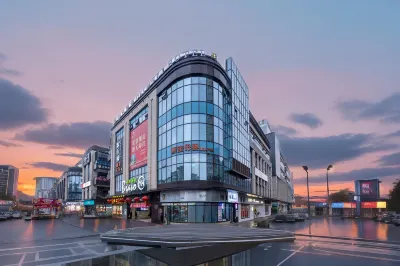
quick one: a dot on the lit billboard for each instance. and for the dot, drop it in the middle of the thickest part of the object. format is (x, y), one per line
(138, 146)
(369, 189)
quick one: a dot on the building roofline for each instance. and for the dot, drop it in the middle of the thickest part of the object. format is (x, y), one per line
(259, 130)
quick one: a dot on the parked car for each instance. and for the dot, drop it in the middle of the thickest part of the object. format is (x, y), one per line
(3, 217)
(298, 217)
(396, 220)
(304, 215)
(17, 215)
(28, 217)
(9, 215)
(285, 218)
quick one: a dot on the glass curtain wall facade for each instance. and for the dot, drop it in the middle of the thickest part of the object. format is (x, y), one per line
(74, 187)
(240, 114)
(199, 212)
(194, 130)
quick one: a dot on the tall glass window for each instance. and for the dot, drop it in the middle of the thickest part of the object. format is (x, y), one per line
(194, 141)
(74, 187)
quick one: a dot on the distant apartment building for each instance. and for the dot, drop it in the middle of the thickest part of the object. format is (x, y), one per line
(8, 180)
(95, 180)
(44, 186)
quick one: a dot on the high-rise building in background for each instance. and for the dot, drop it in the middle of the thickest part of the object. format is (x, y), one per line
(8, 180)
(43, 187)
(188, 149)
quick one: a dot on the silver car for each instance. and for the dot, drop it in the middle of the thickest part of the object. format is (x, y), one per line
(3, 217)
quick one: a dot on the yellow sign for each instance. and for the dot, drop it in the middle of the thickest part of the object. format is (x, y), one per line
(381, 204)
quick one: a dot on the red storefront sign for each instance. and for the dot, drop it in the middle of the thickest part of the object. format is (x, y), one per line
(140, 205)
(190, 147)
(369, 205)
(138, 146)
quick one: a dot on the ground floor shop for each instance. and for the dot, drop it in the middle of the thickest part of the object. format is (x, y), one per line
(72, 207)
(349, 209)
(199, 206)
(93, 208)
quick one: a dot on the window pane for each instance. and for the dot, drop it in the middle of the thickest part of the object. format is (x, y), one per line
(209, 171)
(195, 92)
(195, 132)
(180, 96)
(203, 170)
(202, 108)
(188, 132)
(202, 132)
(207, 213)
(187, 92)
(195, 171)
(192, 213)
(210, 94)
(200, 214)
(179, 134)
(173, 133)
(188, 171)
(202, 93)
(179, 169)
(173, 98)
(168, 138)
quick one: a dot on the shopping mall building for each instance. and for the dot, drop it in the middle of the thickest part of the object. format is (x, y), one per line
(185, 148)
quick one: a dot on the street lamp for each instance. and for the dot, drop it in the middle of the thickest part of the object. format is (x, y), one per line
(308, 191)
(327, 180)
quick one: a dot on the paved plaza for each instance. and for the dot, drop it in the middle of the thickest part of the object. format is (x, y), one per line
(54, 242)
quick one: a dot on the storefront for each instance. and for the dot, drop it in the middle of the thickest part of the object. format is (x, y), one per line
(118, 205)
(72, 207)
(348, 209)
(142, 207)
(45, 208)
(194, 206)
(321, 208)
(254, 207)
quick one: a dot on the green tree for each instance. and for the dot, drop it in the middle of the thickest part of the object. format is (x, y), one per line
(394, 197)
(343, 195)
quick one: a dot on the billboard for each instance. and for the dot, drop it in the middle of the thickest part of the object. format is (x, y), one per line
(138, 146)
(119, 152)
(369, 189)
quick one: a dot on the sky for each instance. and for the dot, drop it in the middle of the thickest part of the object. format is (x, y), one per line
(323, 73)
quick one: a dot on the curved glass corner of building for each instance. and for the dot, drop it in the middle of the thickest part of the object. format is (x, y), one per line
(194, 133)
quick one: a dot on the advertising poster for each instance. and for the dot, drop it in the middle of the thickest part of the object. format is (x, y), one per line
(368, 189)
(138, 146)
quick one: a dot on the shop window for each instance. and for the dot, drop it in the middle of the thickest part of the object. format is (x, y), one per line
(245, 211)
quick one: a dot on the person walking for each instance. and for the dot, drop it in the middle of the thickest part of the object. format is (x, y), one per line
(136, 215)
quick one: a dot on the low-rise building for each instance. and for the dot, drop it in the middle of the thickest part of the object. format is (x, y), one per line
(69, 188)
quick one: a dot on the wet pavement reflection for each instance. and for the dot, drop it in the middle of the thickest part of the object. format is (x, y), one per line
(337, 227)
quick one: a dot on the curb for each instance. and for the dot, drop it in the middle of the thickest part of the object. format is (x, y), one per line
(350, 238)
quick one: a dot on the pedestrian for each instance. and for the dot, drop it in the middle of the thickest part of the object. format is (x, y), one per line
(136, 215)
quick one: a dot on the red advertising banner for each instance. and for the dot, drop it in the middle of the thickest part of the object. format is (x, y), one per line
(369, 205)
(138, 146)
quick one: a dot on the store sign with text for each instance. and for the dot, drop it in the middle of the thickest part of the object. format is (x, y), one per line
(118, 155)
(138, 146)
(190, 147)
(233, 196)
(134, 184)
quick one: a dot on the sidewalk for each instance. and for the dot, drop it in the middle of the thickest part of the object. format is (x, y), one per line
(105, 224)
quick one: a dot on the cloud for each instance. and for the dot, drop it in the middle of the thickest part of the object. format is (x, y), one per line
(19, 107)
(79, 135)
(54, 147)
(319, 152)
(394, 134)
(365, 173)
(70, 154)
(51, 166)
(7, 71)
(390, 160)
(284, 130)
(386, 110)
(307, 119)
(9, 144)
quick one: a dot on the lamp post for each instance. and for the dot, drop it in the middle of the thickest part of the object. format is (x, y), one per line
(308, 192)
(327, 186)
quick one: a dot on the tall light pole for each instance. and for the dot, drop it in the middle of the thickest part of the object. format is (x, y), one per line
(327, 180)
(308, 192)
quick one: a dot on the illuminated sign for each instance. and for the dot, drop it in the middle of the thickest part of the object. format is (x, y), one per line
(134, 184)
(190, 147)
(88, 202)
(381, 204)
(86, 159)
(86, 184)
(155, 78)
(337, 205)
(373, 205)
(232, 196)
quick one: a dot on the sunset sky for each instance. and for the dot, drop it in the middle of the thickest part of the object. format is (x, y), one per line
(325, 74)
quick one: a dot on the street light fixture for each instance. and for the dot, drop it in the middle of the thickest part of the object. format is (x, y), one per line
(327, 186)
(308, 192)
